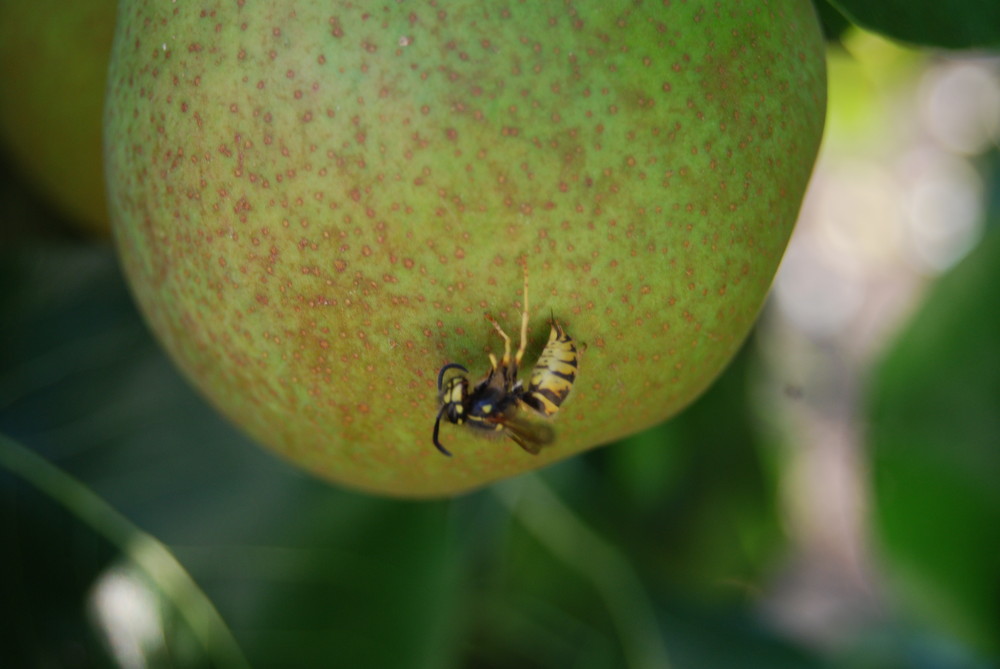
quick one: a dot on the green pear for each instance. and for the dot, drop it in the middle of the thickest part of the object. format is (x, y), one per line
(53, 65)
(316, 202)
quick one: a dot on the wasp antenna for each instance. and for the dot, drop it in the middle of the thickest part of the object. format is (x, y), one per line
(437, 427)
(450, 365)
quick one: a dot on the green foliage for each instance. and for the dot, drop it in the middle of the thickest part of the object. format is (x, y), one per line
(956, 24)
(934, 433)
(58, 532)
(834, 23)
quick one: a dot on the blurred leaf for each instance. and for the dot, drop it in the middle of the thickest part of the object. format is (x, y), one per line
(567, 595)
(957, 24)
(302, 572)
(892, 645)
(834, 23)
(61, 544)
(606, 569)
(935, 421)
(700, 637)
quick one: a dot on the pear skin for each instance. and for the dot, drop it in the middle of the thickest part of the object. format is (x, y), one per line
(315, 203)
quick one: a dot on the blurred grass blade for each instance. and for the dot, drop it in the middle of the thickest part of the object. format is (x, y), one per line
(151, 561)
(562, 532)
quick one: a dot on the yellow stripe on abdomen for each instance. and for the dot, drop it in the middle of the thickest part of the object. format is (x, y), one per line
(554, 374)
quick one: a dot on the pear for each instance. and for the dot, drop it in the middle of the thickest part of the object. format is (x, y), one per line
(53, 65)
(315, 203)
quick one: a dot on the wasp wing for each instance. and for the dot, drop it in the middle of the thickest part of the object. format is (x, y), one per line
(530, 435)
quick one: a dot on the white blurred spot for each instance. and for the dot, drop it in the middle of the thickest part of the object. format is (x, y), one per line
(960, 104)
(818, 297)
(944, 208)
(857, 213)
(852, 220)
(127, 613)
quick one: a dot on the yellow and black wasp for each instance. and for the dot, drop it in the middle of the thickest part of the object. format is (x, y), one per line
(497, 402)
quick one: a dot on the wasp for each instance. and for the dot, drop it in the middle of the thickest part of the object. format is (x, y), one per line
(498, 403)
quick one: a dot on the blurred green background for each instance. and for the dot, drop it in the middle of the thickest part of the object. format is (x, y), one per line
(832, 501)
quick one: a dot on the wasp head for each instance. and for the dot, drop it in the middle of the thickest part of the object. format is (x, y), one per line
(454, 396)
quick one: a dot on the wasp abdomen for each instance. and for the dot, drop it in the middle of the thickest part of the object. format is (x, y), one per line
(554, 373)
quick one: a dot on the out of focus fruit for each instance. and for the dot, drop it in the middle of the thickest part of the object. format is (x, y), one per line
(53, 66)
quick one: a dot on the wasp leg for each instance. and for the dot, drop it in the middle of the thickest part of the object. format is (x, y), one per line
(524, 319)
(506, 342)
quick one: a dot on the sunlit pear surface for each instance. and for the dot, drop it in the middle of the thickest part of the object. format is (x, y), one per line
(316, 202)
